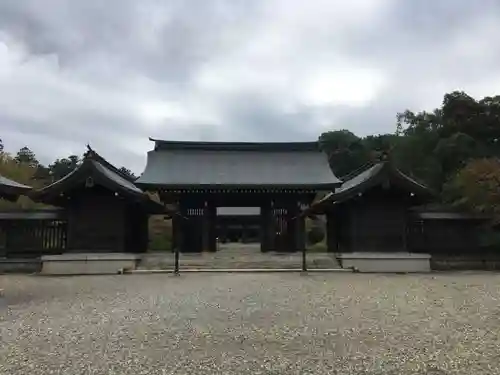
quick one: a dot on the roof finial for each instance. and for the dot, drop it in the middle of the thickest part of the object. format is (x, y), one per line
(89, 152)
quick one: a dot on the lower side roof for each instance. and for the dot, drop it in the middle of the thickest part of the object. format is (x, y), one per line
(11, 190)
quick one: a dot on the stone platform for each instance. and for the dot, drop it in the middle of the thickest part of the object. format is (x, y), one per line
(20, 265)
(238, 257)
(386, 262)
(88, 264)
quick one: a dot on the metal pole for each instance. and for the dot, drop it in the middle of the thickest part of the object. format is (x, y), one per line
(304, 261)
(176, 261)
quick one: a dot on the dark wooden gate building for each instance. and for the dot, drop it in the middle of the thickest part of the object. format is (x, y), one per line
(370, 211)
(198, 177)
(105, 210)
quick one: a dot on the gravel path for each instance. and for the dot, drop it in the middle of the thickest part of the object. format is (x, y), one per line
(251, 324)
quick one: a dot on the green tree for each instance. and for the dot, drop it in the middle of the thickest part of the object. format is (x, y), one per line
(477, 186)
(19, 172)
(61, 167)
(438, 143)
(346, 151)
(42, 174)
(26, 156)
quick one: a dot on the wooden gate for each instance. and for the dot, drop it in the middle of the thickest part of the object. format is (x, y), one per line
(282, 230)
(192, 240)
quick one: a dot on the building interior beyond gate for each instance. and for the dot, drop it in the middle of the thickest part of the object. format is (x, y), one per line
(238, 224)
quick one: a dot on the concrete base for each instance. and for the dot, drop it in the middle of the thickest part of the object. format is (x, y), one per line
(88, 264)
(386, 262)
(9, 265)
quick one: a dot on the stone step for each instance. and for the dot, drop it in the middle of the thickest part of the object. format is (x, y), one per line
(219, 260)
(238, 266)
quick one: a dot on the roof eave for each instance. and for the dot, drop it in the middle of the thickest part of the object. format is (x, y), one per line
(312, 187)
(14, 190)
(235, 146)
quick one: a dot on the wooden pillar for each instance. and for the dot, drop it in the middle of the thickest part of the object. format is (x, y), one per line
(264, 236)
(300, 236)
(212, 227)
(205, 228)
(4, 236)
(292, 212)
(183, 227)
(267, 227)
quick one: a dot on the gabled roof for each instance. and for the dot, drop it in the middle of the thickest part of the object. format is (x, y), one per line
(374, 175)
(184, 165)
(11, 190)
(94, 169)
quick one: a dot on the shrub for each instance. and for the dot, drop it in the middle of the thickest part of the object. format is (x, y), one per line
(160, 233)
(315, 235)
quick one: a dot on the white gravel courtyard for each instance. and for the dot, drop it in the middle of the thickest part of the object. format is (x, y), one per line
(337, 323)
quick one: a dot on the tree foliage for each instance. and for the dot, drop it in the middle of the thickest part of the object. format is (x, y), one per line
(11, 168)
(20, 172)
(26, 156)
(62, 167)
(346, 151)
(442, 147)
(477, 186)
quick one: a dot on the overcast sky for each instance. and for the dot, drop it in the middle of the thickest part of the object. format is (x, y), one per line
(114, 72)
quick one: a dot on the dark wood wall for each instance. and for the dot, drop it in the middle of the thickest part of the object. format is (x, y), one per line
(100, 221)
(445, 236)
(96, 221)
(137, 229)
(375, 221)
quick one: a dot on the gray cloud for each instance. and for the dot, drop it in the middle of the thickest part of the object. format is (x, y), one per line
(113, 73)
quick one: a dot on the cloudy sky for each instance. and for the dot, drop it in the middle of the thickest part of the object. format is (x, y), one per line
(112, 73)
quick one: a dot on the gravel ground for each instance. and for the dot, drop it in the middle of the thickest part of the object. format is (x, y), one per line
(251, 324)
